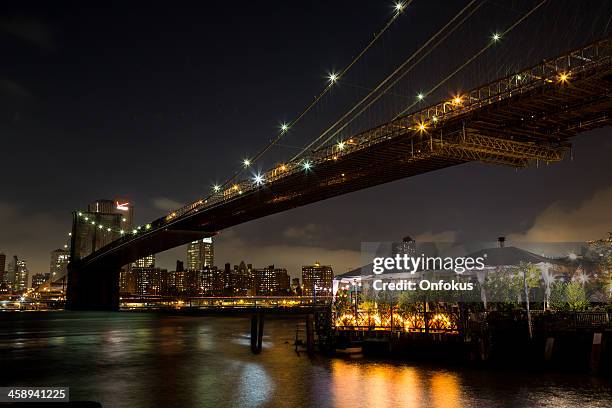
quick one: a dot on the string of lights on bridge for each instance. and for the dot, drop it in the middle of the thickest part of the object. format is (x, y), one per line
(306, 165)
(334, 78)
(341, 146)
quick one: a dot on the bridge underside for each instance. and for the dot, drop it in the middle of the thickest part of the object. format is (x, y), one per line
(533, 125)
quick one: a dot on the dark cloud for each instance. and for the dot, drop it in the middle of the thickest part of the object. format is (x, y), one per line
(30, 30)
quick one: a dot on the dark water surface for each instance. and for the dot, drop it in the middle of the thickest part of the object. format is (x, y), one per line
(149, 360)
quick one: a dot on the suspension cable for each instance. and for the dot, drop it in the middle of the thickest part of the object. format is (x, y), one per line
(381, 84)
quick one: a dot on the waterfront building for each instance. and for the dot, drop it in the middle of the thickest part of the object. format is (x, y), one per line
(40, 279)
(200, 254)
(242, 280)
(59, 263)
(271, 281)
(22, 274)
(149, 280)
(318, 275)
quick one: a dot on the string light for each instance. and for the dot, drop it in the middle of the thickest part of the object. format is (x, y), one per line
(216, 187)
(333, 77)
(420, 96)
(284, 127)
(496, 37)
(399, 6)
(341, 145)
(258, 179)
(246, 162)
(563, 77)
(307, 165)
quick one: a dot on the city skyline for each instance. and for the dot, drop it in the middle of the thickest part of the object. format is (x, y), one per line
(576, 188)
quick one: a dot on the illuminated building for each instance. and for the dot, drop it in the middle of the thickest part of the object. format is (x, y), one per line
(242, 280)
(146, 262)
(59, 263)
(271, 281)
(39, 279)
(149, 280)
(200, 254)
(101, 224)
(21, 281)
(320, 275)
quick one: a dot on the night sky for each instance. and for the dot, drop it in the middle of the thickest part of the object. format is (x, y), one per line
(156, 103)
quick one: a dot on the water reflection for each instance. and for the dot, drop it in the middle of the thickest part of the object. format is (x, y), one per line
(378, 385)
(147, 360)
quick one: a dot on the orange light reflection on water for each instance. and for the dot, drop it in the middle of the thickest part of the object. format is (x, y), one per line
(384, 385)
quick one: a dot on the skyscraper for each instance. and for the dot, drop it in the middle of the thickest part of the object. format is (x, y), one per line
(59, 263)
(317, 274)
(101, 224)
(21, 282)
(11, 273)
(200, 254)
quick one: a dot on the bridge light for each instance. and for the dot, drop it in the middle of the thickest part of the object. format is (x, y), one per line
(101, 226)
(216, 187)
(496, 37)
(333, 77)
(518, 77)
(123, 220)
(341, 145)
(122, 232)
(420, 96)
(108, 229)
(422, 127)
(283, 167)
(93, 223)
(246, 162)
(135, 231)
(70, 234)
(435, 118)
(80, 214)
(563, 77)
(284, 127)
(65, 246)
(86, 218)
(235, 187)
(399, 6)
(307, 165)
(148, 226)
(457, 100)
(258, 179)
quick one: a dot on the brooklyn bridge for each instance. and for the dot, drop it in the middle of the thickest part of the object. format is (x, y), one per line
(528, 117)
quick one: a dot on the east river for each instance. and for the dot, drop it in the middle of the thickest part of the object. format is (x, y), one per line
(150, 360)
